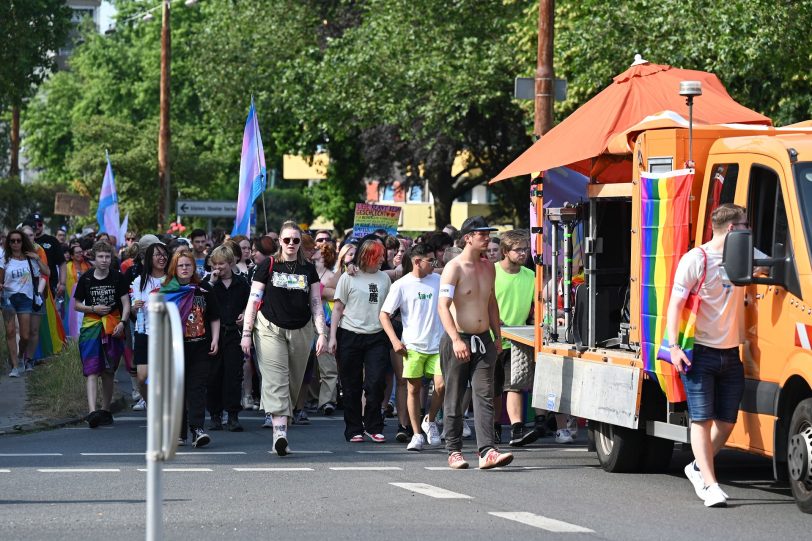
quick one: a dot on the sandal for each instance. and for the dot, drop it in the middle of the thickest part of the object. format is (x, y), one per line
(358, 438)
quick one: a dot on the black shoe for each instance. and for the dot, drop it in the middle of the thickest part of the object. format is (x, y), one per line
(389, 410)
(234, 423)
(105, 418)
(93, 418)
(497, 433)
(217, 422)
(520, 436)
(199, 438)
(329, 409)
(404, 434)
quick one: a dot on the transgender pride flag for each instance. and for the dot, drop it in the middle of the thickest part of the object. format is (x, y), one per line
(107, 215)
(252, 174)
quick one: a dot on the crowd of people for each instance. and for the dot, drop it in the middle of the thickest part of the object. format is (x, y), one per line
(294, 323)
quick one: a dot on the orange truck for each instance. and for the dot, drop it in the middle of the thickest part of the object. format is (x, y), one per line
(590, 364)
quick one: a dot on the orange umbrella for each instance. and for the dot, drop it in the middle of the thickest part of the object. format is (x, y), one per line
(580, 142)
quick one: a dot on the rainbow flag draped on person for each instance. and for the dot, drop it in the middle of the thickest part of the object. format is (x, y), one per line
(73, 318)
(664, 236)
(98, 348)
(252, 173)
(51, 330)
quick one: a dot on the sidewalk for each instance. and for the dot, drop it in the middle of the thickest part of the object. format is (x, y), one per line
(16, 419)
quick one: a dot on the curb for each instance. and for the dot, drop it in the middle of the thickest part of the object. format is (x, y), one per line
(118, 404)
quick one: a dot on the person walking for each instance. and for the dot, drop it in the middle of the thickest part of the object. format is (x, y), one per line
(362, 347)
(74, 268)
(103, 296)
(714, 380)
(201, 335)
(468, 310)
(282, 331)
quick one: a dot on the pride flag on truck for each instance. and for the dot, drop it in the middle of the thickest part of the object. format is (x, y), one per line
(664, 232)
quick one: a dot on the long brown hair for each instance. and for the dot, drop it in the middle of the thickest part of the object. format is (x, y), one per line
(173, 266)
(290, 224)
(25, 247)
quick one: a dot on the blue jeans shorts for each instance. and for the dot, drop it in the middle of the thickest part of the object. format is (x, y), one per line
(715, 384)
(19, 303)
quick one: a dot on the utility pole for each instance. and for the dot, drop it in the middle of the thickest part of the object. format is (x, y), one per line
(164, 133)
(545, 82)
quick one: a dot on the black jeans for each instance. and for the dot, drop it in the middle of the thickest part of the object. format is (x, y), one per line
(197, 363)
(362, 363)
(225, 378)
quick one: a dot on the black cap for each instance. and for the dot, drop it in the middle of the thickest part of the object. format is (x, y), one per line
(475, 223)
(34, 217)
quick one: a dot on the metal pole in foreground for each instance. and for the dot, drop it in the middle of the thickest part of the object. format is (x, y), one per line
(156, 392)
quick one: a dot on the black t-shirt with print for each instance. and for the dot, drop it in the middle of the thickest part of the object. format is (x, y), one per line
(107, 292)
(54, 253)
(286, 302)
(204, 310)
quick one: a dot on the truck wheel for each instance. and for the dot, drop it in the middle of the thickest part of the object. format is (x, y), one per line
(799, 455)
(619, 449)
(657, 452)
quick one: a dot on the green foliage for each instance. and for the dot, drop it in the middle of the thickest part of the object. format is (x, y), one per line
(18, 201)
(57, 388)
(285, 204)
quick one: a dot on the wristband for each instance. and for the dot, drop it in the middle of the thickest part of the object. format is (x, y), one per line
(672, 346)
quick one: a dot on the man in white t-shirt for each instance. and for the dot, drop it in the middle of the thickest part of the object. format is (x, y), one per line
(416, 296)
(714, 379)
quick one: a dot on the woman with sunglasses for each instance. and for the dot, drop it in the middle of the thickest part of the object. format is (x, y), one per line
(282, 331)
(152, 277)
(20, 269)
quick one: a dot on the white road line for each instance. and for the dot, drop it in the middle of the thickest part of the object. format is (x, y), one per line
(430, 490)
(366, 468)
(79, 470)
(29, 454)
(113, 454)
(211, 453)
(577, 450)
(5, 471)
(545, 523)
(272, 469)
(298, 452)
(181, 470)
(386, 452)
(87, 428)
(437, 468)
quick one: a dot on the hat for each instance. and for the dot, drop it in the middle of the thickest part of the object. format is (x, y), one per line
(63, 228)
(148, 240)
(88, 231)
(475, 223)
(34, 217)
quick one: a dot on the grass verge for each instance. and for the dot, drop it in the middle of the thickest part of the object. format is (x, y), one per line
(56, 388)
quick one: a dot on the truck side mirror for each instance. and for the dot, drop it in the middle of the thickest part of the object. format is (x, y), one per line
(737, 258)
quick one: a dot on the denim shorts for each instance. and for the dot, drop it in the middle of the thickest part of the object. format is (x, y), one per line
(715, 384)
(19, 303)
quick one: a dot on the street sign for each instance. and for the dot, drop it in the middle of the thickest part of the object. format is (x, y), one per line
(207, 209)
(524, 88)
(70, 204)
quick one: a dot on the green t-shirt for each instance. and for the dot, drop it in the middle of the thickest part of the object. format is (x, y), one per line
(514, 293)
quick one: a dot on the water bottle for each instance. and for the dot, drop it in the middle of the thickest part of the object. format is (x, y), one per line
(141, 320)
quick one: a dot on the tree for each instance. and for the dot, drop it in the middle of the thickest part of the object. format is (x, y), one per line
(31, 31)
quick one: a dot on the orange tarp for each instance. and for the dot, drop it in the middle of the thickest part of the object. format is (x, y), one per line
(581, 141)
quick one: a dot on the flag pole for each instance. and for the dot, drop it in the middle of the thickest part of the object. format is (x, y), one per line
(264, 213)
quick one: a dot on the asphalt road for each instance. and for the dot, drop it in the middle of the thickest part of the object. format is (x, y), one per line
(77, 483)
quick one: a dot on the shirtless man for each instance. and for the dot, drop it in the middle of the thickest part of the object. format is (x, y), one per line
(468, 310)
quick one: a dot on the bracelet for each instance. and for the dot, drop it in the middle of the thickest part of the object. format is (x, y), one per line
(672, 346)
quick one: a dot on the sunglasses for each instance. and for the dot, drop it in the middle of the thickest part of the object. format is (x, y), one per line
(292, 240)
(323, 239)
(15, 240)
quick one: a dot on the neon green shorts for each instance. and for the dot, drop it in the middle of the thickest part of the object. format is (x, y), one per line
(417, 365)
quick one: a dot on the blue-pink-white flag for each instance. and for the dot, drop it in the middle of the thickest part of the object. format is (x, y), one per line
(107, 215)
(252, 173)
(122, 230)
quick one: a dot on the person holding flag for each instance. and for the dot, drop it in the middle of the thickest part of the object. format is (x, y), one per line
(253, 175)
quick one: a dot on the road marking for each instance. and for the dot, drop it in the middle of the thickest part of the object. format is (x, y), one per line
(87, 428)
(366, 468)
(5, 471)
(210, 453)
(430, 490)
(78, 470)
(130, 418)
(113, 454)
(298, 452)
(179, 470)
(29, 454)
(386, 452)
(577, 450)
(545, 523)
(437, 468)
(272, 469)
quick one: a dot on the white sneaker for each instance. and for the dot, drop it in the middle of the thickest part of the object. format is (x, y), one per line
(572, 426)
(136, 396)
(417, 443)
(430, 428)
(563, 436)
(695, 477)
(141, 405)
(280, 441)
(714, 496)
(466, 430)
(15, 373)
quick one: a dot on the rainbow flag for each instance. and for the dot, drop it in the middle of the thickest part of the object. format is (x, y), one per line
(664, 228)
(51, 330)
(72, 318)
(98, 348)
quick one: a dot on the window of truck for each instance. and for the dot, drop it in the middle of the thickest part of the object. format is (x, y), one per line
(768, 215)
(803, 180)
(722, 190)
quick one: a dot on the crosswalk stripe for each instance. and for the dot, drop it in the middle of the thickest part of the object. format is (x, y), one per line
(271, 469)
(366, 468)
(432, 491)
(545, 523)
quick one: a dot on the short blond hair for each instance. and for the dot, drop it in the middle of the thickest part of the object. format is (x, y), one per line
(222, 253)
